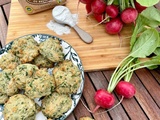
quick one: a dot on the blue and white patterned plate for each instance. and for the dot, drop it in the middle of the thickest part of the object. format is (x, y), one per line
(70, 54)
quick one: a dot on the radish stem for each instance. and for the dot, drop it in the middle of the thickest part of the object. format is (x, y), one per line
(129, 69)
(113, 75)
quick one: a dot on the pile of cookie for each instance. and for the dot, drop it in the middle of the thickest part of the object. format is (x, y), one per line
(25, 77)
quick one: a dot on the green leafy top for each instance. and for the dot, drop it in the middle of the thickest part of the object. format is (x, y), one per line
(147, 3)
(144, 21)
(145, 44)
(145, 41)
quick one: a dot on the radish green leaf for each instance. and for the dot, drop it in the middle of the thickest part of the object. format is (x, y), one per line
(145, 44)
(147, 3)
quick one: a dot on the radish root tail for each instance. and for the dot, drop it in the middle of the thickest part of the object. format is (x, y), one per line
(97, 107)
(112, 107)
(102, 21)
(86, 106)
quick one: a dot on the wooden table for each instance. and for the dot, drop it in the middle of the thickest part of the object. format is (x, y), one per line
(145, 105)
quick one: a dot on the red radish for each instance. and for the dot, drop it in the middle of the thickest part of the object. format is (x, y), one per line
(85, 1)
(139, 7)
(103, 99)
(112, 11)
(88, 8)
(99, 17)
(98, 6)
(114, 26)
(129, 15)
(125, 89)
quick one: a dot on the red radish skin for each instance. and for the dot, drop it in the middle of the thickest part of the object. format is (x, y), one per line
(99, 17)
(86, 1)
(88, 8)
(112, 11)
(139, 7)
(103, 99)
(125, 89)
(98, 6)
(114, 26)
(129, 15)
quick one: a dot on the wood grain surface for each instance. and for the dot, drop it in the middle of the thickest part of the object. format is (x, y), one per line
(105, 51)
(3, 27)
(144, 105)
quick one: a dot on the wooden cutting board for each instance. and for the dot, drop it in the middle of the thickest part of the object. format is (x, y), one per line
(104, 53)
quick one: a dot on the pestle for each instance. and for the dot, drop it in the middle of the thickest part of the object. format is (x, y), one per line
(62, 15)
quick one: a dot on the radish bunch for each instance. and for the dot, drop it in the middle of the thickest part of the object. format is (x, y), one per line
(113, 15)
(140, 46)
